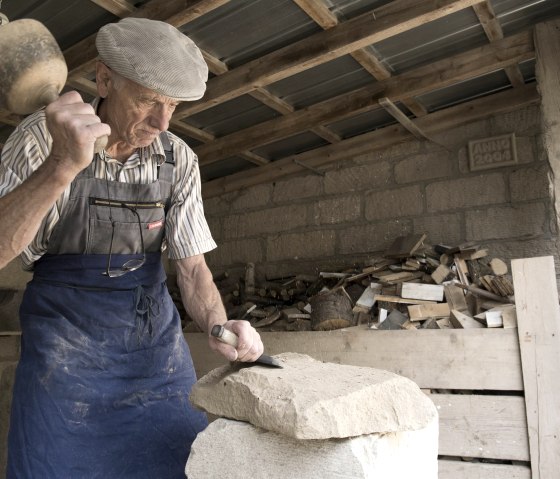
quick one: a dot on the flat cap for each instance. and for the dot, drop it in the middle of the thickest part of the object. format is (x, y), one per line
(155, 55)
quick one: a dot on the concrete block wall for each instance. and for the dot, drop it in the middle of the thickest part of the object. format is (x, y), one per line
(310, 222)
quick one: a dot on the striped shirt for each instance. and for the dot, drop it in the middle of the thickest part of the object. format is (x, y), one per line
(186, 230)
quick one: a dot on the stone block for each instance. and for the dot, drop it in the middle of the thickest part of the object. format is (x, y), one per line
(271, 220)
(530, 184)
(309, 399)
(218, 205)
(336, 210)
(423, 167)
(522, 121)
(372, 237)
(315, 244)
(235, 252)
(358, 178)
(390, 152)
(238, 450)
(252, 197)
(445, 229)
(297, 188)
(394, 203)
(527, 220)
(480, 190)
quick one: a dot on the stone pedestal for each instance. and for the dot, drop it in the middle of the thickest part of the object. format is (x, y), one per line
(238, 450)
(313, 420)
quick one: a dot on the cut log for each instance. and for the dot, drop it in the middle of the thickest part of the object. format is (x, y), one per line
(498, 266)
(331, 310)
(441, 274)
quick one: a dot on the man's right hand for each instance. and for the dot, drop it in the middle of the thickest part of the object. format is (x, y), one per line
(74, 128)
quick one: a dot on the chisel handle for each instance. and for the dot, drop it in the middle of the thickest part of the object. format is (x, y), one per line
(224, 335)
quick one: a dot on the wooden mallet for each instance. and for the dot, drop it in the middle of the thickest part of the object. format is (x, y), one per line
(33, 70)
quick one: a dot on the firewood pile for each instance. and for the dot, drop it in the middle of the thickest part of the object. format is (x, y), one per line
(413, 285)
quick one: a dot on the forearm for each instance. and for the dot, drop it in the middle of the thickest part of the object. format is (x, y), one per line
(23, 209)
(199, 293)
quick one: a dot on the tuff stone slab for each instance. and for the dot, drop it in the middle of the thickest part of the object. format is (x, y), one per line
(238, 450)
(308, 399)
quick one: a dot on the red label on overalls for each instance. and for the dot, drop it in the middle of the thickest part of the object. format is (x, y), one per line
(155, 224)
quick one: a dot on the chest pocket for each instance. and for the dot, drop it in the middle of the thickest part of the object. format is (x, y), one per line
(128, 223)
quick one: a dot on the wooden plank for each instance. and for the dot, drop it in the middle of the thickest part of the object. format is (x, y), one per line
(425, 311)
(428, 292)
(455, 297)
(477, 470)
(482, 426)
(399, 300)
(462, 356)
(538, 325)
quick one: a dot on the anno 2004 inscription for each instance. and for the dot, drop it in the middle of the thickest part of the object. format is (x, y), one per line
(492, 152)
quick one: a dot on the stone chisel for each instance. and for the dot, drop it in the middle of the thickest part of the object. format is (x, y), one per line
(226, 336)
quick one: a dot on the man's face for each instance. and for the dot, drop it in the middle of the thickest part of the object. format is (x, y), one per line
(136, 114)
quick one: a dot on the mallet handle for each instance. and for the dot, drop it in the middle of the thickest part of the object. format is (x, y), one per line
(50, 94)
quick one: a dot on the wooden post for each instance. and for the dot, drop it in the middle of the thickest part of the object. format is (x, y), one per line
(547, 46)
(538, 320)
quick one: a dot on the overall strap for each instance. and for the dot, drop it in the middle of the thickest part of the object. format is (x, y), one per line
(166, 170)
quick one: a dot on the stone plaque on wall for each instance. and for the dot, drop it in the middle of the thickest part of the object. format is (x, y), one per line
(492, 152)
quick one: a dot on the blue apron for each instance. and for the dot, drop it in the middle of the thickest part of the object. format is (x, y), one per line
(104, 378)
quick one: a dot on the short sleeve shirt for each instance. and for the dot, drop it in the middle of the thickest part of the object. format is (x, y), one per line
(186, 230)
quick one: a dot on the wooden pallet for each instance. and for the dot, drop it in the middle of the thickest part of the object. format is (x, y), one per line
(501, 393)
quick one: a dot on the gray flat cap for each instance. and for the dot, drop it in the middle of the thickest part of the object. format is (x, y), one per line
(155, 55)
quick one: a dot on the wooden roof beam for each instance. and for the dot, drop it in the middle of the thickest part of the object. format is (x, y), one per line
(419, 81)
(406, 122)
(317, 49)
(275, 103)
(320, 13)
(119, 8)
(491, 25)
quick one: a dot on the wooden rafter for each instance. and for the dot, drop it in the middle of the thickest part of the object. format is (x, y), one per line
(491, 25)
(321, 14)
(419, 81)
(340, 40)
(119, 8)
(406, 122)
